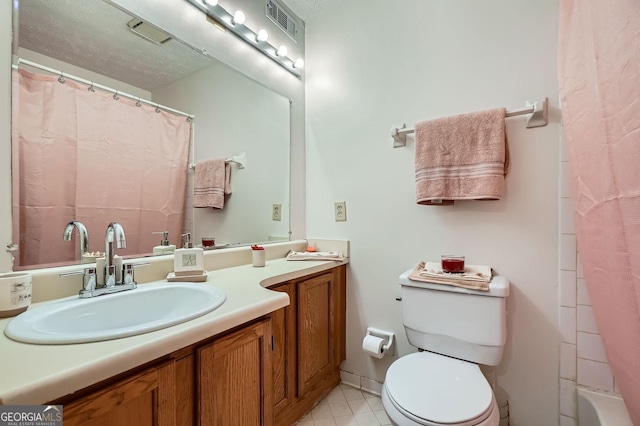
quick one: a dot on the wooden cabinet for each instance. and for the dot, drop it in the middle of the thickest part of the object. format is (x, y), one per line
(225, 380)
(146, 398)
(271, 370)
(309, 343)
(235, 378)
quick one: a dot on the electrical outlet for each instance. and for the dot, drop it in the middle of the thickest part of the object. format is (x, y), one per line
(277, 212)
(340, 210)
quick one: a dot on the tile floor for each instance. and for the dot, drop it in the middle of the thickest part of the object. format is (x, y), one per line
(347, 406)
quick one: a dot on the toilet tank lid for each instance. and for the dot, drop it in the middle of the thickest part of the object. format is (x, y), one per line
(498, 287)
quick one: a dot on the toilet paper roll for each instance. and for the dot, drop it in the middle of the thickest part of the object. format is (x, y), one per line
(374, 346)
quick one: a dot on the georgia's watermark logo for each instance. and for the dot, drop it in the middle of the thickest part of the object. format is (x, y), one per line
(30, 415)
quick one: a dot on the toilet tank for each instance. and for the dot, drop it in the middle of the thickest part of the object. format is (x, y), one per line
(455, 321)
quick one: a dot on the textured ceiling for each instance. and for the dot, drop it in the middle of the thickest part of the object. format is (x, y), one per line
(307, 9)
(94, 35)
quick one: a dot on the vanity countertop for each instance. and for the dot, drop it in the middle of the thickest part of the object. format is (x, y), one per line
(36, 374)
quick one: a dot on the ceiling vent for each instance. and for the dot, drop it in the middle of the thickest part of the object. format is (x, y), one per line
(148, 31)
(282, 18)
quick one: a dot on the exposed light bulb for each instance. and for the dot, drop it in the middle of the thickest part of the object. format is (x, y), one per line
(263, 35)
(299, 63)
(211, 2)
(282, 51)
(238, 18)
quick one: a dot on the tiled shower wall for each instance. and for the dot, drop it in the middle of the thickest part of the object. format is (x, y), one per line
(582, 357)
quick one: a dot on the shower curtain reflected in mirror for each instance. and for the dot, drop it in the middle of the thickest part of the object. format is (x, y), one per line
(599, 75)
(63, 137)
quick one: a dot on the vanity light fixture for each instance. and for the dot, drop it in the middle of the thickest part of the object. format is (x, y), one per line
(282, 51)
(235, 23)
(238, 18)
(299, 63)
(263, 35)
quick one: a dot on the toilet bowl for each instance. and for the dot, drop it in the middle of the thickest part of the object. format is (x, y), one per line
(428, 389)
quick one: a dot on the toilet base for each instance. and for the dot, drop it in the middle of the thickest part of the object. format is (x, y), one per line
(399, 419)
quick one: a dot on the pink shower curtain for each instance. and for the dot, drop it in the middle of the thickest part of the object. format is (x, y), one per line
(85, 156)
(599, 73)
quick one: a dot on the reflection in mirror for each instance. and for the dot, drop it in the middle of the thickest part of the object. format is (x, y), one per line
(233, 115)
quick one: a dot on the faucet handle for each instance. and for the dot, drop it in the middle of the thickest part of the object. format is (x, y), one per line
(89, 282)
(110, 276)
(88, 279)
(127, 272)
(71, 273)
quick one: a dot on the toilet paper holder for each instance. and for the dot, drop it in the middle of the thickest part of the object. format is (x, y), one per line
(388, 336)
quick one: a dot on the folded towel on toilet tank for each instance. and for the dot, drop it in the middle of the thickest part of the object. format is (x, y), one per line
(474, 277)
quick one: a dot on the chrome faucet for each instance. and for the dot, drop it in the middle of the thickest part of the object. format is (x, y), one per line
(115, 233)
(90, 285)
(82, 232)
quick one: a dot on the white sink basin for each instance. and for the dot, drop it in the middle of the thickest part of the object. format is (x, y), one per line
(147, 308)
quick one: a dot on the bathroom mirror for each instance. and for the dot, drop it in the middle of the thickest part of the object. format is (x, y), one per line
(234, 114)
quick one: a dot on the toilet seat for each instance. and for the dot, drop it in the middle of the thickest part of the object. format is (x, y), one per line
(433, 389)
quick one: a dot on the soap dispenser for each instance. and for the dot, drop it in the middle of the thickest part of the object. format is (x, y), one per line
(164, 247)
(188, 260)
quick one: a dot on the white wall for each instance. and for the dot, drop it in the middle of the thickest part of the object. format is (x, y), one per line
(374, 64)
(235, 114)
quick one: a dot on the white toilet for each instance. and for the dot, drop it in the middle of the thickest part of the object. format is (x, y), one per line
(457, 329)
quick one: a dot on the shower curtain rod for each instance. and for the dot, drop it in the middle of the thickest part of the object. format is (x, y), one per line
(91, 84)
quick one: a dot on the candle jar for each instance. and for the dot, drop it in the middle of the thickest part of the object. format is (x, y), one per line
(258, 256)
(208, 242)
(453, 264)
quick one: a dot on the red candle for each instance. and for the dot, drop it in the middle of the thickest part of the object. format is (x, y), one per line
(208, 242)
(453, 264)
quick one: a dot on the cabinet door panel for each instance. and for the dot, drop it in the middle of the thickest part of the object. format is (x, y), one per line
(340, 315)
(185, 391)
(283, 324)
(145, 399)
(315, 323)
(235, 378)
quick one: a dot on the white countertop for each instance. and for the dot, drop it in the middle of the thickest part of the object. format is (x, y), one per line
(36, 374)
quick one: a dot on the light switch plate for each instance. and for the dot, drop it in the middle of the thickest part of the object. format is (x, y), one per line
(340, 210)
(277, 212)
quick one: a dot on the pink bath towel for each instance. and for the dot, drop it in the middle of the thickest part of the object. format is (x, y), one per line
(460, 158)
(212, 182)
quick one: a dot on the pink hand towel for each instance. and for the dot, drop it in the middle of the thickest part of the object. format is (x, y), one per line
(461, 158)
(212, 182)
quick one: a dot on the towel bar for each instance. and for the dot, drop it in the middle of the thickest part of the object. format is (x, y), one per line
(536, 109)
(240, 160)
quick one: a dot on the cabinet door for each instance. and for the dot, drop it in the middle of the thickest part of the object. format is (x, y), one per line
(283, 325)
(145, 398)
(316, 322)
(235, 378)
(185, 390)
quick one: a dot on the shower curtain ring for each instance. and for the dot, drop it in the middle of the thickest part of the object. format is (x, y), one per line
(157, 109)
(189, 119)
(61, 79)
(91, 89)
(138, 102)
(116, 96)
